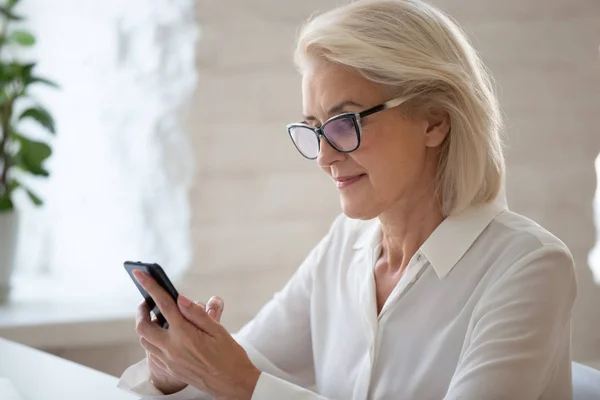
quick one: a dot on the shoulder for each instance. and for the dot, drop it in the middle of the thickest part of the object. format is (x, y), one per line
(519, 228)
(520, 238)
(521, 252)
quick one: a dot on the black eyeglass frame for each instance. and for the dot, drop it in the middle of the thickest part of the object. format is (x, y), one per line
(356, 118)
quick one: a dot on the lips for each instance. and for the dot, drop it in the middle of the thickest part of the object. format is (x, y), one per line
(347, 180)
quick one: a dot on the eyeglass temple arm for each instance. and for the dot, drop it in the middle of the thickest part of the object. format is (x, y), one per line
(388, 104)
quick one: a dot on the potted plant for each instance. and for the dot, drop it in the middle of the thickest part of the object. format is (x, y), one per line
(20, 154)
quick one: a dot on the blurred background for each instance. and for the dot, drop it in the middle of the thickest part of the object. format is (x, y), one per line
(171, 147)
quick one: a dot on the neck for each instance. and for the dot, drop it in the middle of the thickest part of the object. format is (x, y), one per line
(405, 228)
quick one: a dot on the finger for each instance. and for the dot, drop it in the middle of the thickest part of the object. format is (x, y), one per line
(197, 316)
(152, 350)
(155, 321)
(143, 312)
(153, 359)
(146, 328)
(201, 304)
(215, 307)
(205, 307)
(154, 354)
(163, 300)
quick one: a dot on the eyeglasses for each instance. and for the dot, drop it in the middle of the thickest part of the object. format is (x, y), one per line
(342, 132)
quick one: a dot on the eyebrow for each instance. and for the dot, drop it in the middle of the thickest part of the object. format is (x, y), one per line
(337, 109)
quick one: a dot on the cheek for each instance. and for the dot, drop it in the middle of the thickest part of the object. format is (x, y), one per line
(392, 159)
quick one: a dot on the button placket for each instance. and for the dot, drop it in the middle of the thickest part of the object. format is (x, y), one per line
(367, 300)
(411, 275)
(370, 311)
(415, 268)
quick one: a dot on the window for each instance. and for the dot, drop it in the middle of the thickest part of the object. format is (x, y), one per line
(122, 165)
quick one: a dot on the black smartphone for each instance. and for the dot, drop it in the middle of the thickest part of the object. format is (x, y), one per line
(158, 274)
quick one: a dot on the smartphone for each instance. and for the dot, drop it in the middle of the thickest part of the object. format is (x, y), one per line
(159, 275)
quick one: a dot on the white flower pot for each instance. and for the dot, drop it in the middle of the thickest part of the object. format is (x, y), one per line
(9, 223)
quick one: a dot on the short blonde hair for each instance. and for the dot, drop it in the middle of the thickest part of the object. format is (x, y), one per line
(413, 49)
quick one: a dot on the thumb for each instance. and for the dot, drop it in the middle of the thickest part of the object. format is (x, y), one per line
(215, 307)
(196, 315)
(213, 311)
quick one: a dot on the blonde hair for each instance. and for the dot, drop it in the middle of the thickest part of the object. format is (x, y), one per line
(413, 49)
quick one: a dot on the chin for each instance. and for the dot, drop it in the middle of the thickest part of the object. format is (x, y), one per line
(359, 210)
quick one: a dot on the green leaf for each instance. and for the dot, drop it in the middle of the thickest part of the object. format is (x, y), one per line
(34, 198)
(9, 72)
(36, 170)
(31, 155)
(6, 203)
(28, 78)
(40, 115)
(7, 13)
(23, 38)
(13, 185)
(47, 82)
(36, 151)
(25, 71)
(3, 97)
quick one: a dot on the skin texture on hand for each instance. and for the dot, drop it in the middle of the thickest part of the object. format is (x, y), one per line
(159, 375)
(196, 349)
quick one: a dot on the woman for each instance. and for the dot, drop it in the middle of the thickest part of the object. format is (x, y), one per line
(426, 287)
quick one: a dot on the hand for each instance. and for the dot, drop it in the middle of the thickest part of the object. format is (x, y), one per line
(196, 349)
(159, 375)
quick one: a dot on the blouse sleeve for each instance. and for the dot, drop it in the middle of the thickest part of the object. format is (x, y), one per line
(277, 341)
(518, 330)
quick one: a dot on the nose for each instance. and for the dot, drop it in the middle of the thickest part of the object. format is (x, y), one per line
(327, 154)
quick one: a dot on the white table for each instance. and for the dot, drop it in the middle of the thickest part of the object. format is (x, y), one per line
(40, 376)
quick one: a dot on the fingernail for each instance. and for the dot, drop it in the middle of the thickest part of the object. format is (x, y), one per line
(184, 301)
(212, 313)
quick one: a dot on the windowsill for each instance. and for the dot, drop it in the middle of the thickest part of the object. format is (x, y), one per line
(39, 314)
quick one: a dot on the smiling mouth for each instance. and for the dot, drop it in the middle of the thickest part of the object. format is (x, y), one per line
(345, 181)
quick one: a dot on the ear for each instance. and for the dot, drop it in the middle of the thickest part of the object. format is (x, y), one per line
(438, 127)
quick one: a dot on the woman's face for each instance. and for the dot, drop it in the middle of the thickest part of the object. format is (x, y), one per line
(396, 162)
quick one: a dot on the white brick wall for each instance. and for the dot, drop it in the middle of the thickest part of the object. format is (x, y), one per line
(258, 207)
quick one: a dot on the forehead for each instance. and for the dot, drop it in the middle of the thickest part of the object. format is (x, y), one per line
(325, 85)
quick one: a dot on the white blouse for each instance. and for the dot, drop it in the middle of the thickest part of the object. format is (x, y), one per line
(482, 312)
